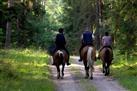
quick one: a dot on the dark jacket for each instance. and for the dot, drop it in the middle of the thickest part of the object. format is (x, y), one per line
(60, 40)
(87, 38)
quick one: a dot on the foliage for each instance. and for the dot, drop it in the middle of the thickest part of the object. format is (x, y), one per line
(125, 71)
(29, 22)
(72, 15)
(34, 23)
(24, 70)
(7, 71)
(121, 20)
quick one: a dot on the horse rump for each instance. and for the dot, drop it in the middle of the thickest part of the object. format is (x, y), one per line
(107, 55)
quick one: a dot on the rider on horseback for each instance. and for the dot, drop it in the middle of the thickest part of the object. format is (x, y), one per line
(86, 39)
(106, 41)
(60, 43)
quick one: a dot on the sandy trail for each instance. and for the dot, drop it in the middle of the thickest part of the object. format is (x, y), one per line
(71, 83)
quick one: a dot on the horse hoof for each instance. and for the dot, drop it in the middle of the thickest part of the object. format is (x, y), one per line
(61, 77)
(91, 78)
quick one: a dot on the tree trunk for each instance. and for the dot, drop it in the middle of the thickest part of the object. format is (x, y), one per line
(8, 28)
(98, 23)
(8, 35)
(18, 32)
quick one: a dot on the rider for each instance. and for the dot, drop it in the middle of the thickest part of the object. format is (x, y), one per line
(86, 39)
(60, 43)
(106, 41)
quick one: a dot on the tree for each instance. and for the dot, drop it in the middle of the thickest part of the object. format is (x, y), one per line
(122, 22)
(8, 26)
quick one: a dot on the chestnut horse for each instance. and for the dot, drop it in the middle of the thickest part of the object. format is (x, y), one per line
(106, 56)
(59, 58)
(88, 55)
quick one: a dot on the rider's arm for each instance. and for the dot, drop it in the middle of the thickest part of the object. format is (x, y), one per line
(65, 40)
(81, 38)
(102, 41)
(93, 37)
(110, 40)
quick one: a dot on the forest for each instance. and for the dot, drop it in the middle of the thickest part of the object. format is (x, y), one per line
(30, 25)
(34, 23)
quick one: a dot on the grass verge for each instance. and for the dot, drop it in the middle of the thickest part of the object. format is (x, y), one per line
(126, 72)
(24, 70)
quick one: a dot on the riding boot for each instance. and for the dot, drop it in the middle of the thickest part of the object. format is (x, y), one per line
(53, 63)
(68, 62)
(80, 60)
(95, 58)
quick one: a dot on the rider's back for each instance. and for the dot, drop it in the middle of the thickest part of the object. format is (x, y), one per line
(87, 37)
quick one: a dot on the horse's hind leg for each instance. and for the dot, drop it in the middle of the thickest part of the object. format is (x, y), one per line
(58, 71)
(107, 69)
(87, 72)
(91, 72)
(63, 70)
(103, 67)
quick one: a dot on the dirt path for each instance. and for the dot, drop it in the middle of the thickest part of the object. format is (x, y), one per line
(69, 83)
(72, 83)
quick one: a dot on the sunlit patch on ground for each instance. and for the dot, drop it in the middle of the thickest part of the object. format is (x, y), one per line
(31, 69)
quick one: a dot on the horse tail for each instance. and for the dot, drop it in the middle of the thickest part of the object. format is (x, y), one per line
(89, 58)
(61, 56)
(107, 55)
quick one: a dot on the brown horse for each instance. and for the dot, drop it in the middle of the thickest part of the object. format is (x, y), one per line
(88, 55)
(106, 57)
(59, 58)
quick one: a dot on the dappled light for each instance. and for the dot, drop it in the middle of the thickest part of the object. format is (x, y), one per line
(28, 30)
(29, 67)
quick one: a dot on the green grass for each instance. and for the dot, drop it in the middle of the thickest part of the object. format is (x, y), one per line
(24, 70)
(125, 71)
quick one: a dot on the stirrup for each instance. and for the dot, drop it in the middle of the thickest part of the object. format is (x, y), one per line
(68, 64)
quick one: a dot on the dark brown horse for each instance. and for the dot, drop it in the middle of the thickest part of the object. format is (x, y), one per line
(106, 57)
(59, 58)
(88, 54)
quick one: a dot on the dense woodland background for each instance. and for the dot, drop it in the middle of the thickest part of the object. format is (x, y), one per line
(28, 28)
(34, 23)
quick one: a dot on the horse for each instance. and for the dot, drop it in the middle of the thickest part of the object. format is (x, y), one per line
(88, 56)
(59, 58)
(106, 56)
